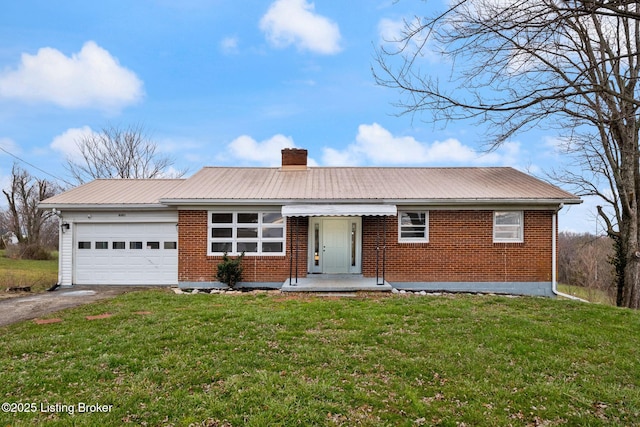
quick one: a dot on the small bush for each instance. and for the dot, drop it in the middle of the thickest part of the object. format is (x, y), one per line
(230, 270)
(33, 252)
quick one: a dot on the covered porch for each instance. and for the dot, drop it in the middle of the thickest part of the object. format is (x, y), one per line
(335, 283)
(333, 247)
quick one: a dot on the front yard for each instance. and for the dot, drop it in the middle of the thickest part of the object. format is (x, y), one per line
(213, 360)
(38, 275)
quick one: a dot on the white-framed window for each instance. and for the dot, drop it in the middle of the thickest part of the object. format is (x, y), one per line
(254, 233)
(508, 227)
(413, 226)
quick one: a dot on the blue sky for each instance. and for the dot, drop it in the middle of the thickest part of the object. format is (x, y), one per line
(227, 82)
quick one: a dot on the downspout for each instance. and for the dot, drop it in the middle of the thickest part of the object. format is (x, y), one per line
(554, 250)
(60, 257)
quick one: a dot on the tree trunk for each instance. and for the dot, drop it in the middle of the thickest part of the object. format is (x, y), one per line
(630, 296)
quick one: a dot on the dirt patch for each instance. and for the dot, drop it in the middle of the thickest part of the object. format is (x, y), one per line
(46, 321)
(39, 305)
(99, 316)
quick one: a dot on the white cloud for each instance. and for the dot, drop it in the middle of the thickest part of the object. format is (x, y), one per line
(245, 150)
(67, 142)
(229, 45)
(294, 22)
(375, 144)
(391, 31)
(393, 36)
(8, 145)
(267, 153)
(89, 78)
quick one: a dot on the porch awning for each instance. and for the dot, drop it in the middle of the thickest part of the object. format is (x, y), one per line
(339, 210)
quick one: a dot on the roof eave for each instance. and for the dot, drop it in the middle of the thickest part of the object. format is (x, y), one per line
(94, 206)
(432, 202)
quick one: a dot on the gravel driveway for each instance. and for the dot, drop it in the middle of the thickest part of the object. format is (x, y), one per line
(33, 306)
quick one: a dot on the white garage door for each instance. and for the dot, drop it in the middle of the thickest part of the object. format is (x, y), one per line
(126, 254)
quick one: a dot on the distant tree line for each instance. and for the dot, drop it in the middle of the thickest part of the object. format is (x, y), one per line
(587, 260)
(114, 152)
(28, 232)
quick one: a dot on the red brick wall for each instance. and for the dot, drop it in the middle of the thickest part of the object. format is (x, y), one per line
(195, 266)
(461, 249)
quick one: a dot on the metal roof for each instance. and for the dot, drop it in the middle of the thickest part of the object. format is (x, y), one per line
(366, 184)
(230, 185)
(114, 192)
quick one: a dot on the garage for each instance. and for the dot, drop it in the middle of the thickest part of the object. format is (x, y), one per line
(125, 253)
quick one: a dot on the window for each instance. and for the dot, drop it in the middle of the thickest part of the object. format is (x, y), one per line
(171, 245)
(102, 245)
(153, 245)
(249, 232)
(84, 245)
(413, 226)
(118, 245)
(135, 245)
(508, 227)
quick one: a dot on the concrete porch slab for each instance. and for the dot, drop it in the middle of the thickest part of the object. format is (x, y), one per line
(334, 283)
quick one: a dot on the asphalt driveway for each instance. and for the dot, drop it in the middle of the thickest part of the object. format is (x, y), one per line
(34, 306)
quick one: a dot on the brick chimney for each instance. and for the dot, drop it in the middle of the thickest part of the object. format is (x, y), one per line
(294, 159)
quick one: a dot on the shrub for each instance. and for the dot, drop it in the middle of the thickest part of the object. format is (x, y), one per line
(32, 251)
(230, 270)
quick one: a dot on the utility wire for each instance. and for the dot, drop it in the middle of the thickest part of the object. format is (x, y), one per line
(36, 167)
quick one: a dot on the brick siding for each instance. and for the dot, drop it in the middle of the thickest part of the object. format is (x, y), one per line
(460, 249)
(194, 265)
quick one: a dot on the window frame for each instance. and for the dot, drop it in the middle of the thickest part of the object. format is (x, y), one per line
(260, 225)
(519, 228)
(424, 238)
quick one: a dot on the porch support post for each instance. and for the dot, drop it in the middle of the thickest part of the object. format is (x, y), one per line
(297, 246)
(291, 253)
(377, 250)
(384, 247)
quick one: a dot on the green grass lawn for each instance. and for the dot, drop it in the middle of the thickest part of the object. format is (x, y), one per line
(262, 360)
(592, 295)
(40, 275)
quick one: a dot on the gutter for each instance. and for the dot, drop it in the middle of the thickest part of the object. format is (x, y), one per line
(453, 202)
(104, 206)
(554, 279)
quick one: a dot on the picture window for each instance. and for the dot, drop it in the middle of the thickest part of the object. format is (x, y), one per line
(249, 232)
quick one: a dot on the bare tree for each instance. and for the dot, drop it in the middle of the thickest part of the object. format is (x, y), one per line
(572, 65)
(583, 260)
(22, 216)
(119, 153)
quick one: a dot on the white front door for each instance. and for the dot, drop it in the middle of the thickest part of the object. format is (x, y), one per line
(335, 245)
